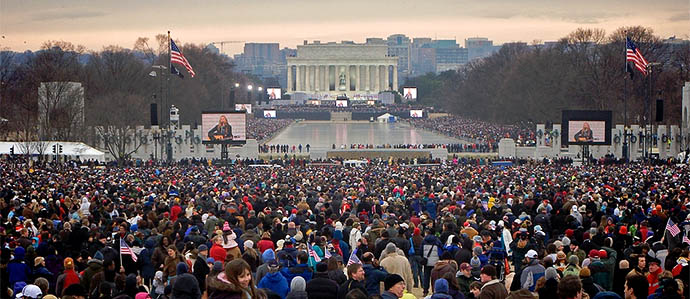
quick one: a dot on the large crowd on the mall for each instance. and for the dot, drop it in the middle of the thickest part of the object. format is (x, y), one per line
(265, 128)
(485, 134)
(379, 230)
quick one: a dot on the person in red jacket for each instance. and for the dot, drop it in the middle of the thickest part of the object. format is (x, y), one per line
(265, 243)
(217, 251)
(68, 278)
(653, 276)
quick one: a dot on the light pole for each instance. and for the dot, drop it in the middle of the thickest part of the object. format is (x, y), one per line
(160, 69)
(259, 95)
(648, 147)
(249, 93)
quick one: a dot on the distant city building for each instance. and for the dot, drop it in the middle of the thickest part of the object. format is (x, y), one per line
(264, 60)
(479, 47)
(399, 46)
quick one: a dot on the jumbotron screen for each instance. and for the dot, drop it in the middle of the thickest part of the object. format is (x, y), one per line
(341, 103)
(409, 93)
(269, 114)
(273, 93)
(416, 113)
(582, 127)
(245, 107)
(224, 127)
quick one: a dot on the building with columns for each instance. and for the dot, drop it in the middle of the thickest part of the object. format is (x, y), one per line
(325, 71)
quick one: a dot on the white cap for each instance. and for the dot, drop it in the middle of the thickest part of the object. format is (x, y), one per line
(531, 254)
(31, 291)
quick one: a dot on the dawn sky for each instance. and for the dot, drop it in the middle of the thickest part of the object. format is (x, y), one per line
(26, 24)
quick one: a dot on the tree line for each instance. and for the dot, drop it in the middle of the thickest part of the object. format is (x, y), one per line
(583, 70)
(118, 86)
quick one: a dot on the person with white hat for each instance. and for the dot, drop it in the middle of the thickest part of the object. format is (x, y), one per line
(532, 272)
(30, 291)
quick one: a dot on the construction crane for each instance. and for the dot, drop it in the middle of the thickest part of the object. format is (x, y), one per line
(222, 43)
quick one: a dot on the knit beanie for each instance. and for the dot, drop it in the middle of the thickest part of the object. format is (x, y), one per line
(391, 280)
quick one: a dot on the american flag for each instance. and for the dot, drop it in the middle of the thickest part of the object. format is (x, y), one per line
(177, 57)
(326, 253)
(353, 258)
(672, 228)
(313, 254)
(632, 54)
(685, 239)
(124, 249)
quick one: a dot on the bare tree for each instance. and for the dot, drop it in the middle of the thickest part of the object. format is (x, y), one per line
(117, 127)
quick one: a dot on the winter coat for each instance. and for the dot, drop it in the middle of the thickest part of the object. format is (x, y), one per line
(493, 289)
(373, 278)
(95, 267)
(297, 295)
(322, 287)
(441, 268)
(430, 250)
(600, 275)
(170, 266)
(69, 277)
(302, 270)
(337, 275)
(550, 289)
(222, 289)
(185, 286)
(275, 282)
(218, 253)
(350, 285)
(396, 264)
(18, 271)
(531, 274)
(200, 270)
(145, 259)
(265, 244)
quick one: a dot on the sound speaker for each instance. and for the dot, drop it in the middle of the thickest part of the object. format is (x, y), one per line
(659, 110)
(154, 114)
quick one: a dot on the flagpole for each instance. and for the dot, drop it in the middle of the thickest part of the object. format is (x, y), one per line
(168, 146)
(625, 100)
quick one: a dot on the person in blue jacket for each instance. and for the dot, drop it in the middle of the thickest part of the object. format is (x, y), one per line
(274, 280)
(17, 269)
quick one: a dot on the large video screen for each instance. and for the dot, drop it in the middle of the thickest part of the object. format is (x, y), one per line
(245, 107)
(581, 127)
(416, 113)
(270, 114)
(314, 102)
(273, 93)
(341, 103)
(410, 93)
(224, 127)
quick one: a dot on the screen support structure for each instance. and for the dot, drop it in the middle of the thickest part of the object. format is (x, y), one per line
(585, 154)
(224, 152)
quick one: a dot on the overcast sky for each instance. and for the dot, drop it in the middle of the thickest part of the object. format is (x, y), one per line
(26, 24)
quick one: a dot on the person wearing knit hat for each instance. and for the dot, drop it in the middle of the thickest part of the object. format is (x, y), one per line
(200, 268)
(394, 286)
(185, 285)
(68, 277)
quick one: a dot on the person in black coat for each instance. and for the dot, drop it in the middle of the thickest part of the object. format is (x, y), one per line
(356, 281)
(200, 267)
(320, 286)
(185, 285)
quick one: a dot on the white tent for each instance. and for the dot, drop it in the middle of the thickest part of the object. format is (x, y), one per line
(386, 118)
(69, 149)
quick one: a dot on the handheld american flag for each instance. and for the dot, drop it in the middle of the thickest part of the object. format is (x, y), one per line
(177, 57)
(124, 249)
(326, 253)
(313, 254)
(685, 239)
(353, 258)
(632, 54)
(672, 227)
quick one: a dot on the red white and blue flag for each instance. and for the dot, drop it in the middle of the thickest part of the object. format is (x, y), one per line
(177, 57)
(672, 228)
(326, 254)
(313, 254)
(632, 54)
(353, 258)
(685, 239)
(124, 249)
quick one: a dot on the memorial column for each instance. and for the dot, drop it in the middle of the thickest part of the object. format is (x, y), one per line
(377, 78)
(358, 79)
(395, 77)
(307, 78)
(367, 77)
(317, 78)
(289, 78)
(386, 78)
(298, 79)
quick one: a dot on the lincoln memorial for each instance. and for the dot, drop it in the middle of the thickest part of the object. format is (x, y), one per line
(331, 69)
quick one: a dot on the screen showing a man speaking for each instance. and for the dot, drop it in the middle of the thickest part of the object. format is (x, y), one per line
(416, 113)
(586, 127)
(269, 114)
(273, 93)
(224, 127)
(410, 93)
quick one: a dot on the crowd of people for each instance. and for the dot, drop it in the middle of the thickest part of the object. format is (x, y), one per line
(381, 230)
(486, 134)
(265, 128)
(330, 106)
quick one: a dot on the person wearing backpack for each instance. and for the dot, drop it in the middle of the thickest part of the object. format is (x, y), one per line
(430, 250)
(532, 273)
(415, 254)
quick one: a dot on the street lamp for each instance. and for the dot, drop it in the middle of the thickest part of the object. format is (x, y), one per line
(648, 136)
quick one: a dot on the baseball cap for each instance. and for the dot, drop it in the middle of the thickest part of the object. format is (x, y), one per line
(531, 254)
(31, 291)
